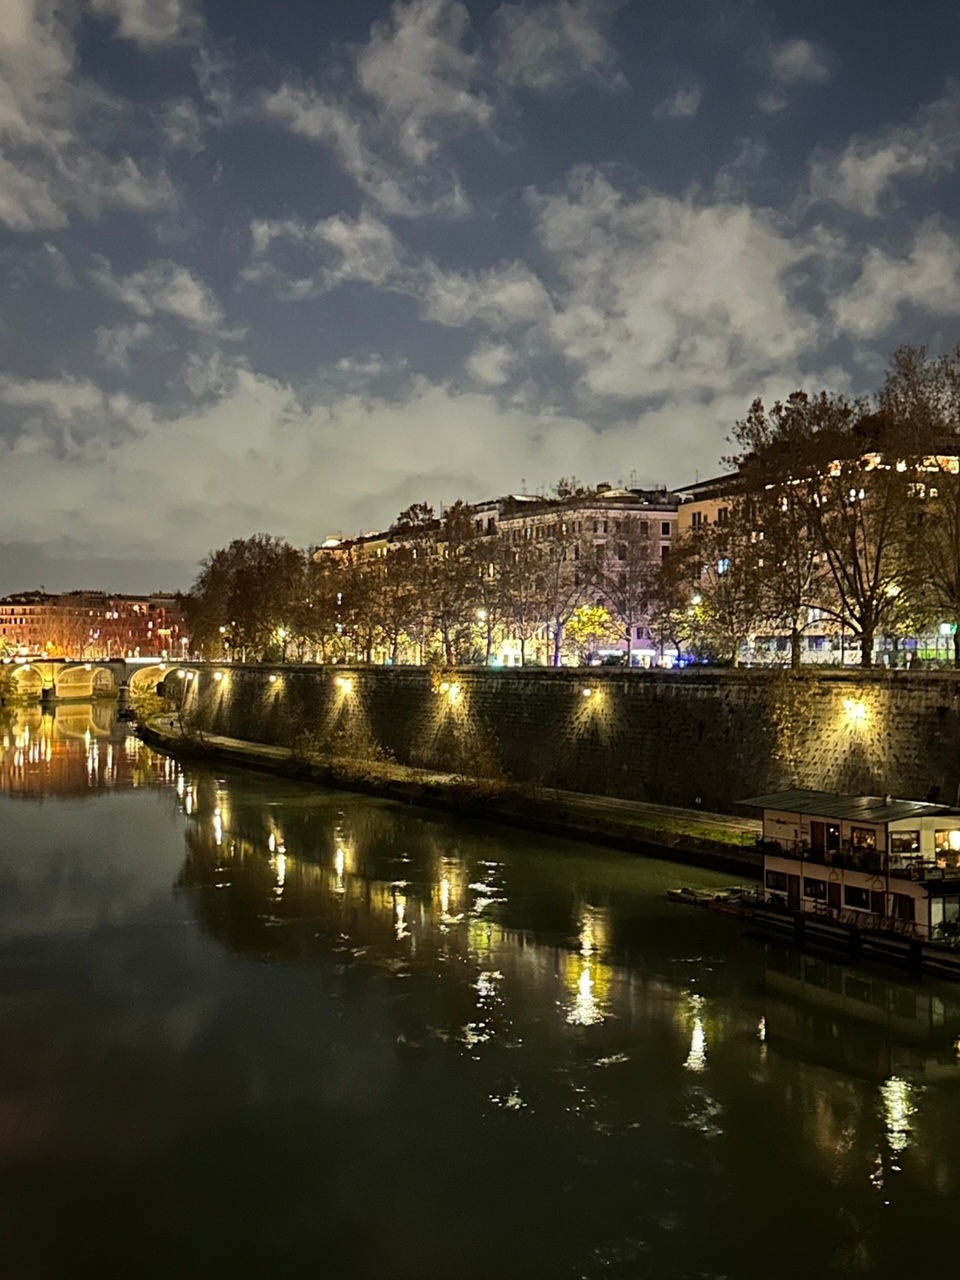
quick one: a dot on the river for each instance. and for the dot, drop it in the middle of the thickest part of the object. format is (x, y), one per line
(249, 1028)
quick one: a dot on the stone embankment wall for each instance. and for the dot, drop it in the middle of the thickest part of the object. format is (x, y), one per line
(697, 738)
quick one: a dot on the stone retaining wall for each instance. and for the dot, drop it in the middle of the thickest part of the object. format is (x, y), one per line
(699, 738)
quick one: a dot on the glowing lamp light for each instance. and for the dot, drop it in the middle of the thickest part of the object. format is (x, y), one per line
(218, 675)
(345, 683)
(856, 710)
(587, 693)
(953, 839)
(445, 687)
(88, 666)
(273, 679)
(181, 673)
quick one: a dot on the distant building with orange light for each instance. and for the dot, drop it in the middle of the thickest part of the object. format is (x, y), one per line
(91, 624)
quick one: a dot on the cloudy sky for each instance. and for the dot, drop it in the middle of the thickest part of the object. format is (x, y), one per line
(290, 266)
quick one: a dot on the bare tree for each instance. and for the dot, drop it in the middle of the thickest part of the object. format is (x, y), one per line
(622, 574)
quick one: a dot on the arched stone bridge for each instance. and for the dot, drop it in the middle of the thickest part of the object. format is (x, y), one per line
(59, 678)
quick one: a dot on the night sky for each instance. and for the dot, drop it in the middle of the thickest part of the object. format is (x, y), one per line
(291, 265)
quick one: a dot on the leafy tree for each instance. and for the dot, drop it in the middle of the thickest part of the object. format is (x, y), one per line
(243, 595)
(589, 627)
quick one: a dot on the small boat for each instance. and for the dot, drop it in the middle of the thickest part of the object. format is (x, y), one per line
(734, 900)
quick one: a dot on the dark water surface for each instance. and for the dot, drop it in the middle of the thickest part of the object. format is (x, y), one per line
(251, 1029)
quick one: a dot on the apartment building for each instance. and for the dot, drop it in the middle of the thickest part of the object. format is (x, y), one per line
(91, 624)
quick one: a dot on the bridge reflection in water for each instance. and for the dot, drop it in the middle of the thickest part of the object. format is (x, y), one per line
(514, 1048)
(76, 749)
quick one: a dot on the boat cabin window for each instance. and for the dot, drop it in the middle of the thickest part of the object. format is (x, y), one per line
(814, 888)
(904, 841)
(856, 897)
(947, 841)
(945, 917)
(777, 881)
(864, 837)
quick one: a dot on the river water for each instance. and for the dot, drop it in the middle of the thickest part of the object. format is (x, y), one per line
(249, 1028)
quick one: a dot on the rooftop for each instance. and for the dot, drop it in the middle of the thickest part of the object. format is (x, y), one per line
(831, 804)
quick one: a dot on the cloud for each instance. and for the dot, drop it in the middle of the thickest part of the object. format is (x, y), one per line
(151, 23)
(408, 90)
(668, 296)
(63, 418)
(550, 46)
(182, 125)
(862, 176)
(164, 287)
(416, 70)
(491, 365)
(114, 345)
(681, 104)
(500, 298)
(50, 115)
(790, 63)
(331, 251)
(928, 277)
(250, 459)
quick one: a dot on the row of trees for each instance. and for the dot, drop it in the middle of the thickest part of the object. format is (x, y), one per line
(438, 591)
(841, 515)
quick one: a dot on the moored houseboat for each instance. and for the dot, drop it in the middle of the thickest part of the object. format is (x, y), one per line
(863, 873)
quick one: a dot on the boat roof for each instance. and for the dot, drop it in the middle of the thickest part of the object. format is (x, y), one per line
(831, 804)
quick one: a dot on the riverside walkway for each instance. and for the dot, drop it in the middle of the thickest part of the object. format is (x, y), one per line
(688, 835)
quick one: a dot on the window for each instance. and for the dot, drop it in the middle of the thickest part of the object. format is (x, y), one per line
(946, 841)
(723, 514)
(904, 841)
(864, 837)
(697, 519)
(815, 889)
(777, 880)
(622, 551)
(857, 898)
(664, 528)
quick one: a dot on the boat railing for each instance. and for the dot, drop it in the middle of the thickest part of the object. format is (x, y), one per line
(903, 866)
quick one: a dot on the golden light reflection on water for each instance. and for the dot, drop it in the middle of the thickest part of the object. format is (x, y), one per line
(898, 1104)
(78, 751)
(588, 977)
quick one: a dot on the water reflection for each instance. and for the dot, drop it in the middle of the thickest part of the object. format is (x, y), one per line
(76, 749)
(627, 1087)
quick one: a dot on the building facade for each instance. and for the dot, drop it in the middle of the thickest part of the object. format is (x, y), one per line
(92, 624)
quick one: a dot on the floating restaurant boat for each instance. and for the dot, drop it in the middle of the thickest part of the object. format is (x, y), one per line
(866, 875)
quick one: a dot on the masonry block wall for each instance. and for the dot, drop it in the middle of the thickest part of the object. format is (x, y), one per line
(697, 738)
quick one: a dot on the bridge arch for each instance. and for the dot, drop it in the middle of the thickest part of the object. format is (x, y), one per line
(145, 679)
(85, 680)
(28, 680)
